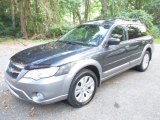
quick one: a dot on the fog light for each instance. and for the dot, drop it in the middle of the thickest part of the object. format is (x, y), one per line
(37, 97)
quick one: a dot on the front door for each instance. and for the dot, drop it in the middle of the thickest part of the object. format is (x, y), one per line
(116, 55)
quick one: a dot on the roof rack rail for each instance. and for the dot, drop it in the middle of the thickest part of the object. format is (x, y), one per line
(116, 19)
(135, 20)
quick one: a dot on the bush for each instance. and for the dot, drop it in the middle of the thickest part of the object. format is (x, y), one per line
(155, 31)
(58, 29)
(154, 9)
(7, 31)
(141, 15)
(2, 27)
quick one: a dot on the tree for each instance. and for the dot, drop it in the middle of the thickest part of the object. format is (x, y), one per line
(22, 19)
(104, 8)
(13, 14)
(79, 16)
(87, 5)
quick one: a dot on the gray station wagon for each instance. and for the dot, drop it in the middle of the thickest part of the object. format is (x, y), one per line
(75, 65)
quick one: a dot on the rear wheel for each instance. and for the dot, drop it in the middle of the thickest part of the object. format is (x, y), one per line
(145, 62)
(82, 88)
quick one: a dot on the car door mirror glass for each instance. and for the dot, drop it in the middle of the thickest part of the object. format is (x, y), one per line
(113, 41)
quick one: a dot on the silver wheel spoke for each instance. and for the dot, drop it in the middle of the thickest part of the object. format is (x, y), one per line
(78, 88)
(90, 90)
(77, 92)
(80, 98)
(83, 81)
(88, 94)
(90, 82)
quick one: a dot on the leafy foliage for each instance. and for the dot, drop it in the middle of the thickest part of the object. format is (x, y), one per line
(155, 31)
(154, 10)
(141, 15)
(55, 17)
(58, 30)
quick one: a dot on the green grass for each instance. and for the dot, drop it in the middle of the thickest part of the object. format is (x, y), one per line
(157, 41)
(5, 39)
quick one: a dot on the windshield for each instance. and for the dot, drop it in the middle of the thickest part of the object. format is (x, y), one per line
(86, 34)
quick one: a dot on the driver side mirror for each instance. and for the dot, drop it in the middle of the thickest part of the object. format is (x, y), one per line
(113, 41)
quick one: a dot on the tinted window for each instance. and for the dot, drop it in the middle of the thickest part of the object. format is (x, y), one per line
(118, 32)
(136, 31)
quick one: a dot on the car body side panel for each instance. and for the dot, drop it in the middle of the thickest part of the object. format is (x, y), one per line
(136, 46)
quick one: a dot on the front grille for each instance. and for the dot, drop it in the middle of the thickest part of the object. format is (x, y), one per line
(13, 70)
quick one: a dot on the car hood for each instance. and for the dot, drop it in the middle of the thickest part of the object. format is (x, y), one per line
(48, 54)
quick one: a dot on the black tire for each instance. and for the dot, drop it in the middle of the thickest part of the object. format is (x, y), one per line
(71, 96)
(140, 67)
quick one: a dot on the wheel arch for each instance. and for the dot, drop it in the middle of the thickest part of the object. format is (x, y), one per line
(95, 70)
(148, 48)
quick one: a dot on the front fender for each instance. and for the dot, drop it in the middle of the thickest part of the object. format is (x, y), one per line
(79, 65)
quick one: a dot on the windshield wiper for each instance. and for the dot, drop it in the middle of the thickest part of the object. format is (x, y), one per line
(72, 42)
(68, 42)
(79, 42)
(76, 42)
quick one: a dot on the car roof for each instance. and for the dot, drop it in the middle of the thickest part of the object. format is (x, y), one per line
(115, 21)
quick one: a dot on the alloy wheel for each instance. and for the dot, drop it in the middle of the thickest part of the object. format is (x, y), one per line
(84, 89)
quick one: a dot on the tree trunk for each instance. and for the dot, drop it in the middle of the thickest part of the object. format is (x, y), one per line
(74, 18)
(36, 15)
(27, 8)
(13, 14)
(36, 6)
(87, 4)
(112, 10)
(79, 16)
(104, 8)
(22, 19)
(27, 11)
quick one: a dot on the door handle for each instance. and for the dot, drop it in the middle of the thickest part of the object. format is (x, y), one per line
(127, 47)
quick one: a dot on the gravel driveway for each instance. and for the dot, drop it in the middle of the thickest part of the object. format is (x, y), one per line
(131, 95)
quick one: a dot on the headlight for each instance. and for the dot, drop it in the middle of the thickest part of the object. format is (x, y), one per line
(64, 69)
(41, 73)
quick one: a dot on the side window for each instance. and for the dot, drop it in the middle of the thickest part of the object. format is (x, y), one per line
(118, 32)
(136, 31)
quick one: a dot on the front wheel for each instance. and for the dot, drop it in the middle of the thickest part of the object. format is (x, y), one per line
(82, 88)
(145, 62)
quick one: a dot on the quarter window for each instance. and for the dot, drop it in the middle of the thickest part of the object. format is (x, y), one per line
(136, 31)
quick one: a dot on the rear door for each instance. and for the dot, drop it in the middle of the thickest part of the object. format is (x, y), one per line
(136, 41)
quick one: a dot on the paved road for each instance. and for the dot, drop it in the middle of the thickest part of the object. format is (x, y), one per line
(131, 95)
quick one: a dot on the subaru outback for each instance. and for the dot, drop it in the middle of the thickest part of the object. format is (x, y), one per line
(72, 67)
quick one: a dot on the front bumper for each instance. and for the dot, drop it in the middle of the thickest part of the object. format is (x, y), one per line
(53, 89)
